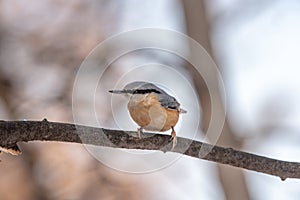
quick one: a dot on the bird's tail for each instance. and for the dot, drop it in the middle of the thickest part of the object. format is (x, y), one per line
(182, 111)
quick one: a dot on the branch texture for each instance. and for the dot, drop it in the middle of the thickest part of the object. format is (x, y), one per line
(12, 132)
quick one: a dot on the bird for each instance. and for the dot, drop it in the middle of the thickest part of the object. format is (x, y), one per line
(151, 108)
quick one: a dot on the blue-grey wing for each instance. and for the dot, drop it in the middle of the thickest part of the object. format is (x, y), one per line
(140, 87)
(168, 101)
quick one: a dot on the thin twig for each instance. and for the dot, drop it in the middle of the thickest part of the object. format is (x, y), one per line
(12, 132)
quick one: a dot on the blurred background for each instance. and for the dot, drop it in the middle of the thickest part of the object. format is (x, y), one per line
(254, 43)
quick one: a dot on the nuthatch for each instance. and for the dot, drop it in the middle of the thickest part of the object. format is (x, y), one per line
(151, 107)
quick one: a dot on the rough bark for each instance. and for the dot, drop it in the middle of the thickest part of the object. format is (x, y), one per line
(12, 132)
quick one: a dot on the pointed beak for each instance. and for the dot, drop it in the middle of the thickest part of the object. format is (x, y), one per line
(117, 91)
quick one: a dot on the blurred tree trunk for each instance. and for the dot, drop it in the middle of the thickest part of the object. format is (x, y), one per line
(198, 28)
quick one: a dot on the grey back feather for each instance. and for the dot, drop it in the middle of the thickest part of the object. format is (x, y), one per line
(165, 99)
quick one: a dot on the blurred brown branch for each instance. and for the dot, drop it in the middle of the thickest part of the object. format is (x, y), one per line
(13, 132)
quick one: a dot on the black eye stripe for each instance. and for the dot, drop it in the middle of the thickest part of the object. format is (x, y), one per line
(145, 91)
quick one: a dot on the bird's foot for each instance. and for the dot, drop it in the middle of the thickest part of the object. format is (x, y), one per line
(173, 138)
(140, 132)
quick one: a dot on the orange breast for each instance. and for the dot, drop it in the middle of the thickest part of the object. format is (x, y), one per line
(148, 113)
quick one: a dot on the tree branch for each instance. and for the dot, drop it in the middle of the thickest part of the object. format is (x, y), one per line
(12, 132)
